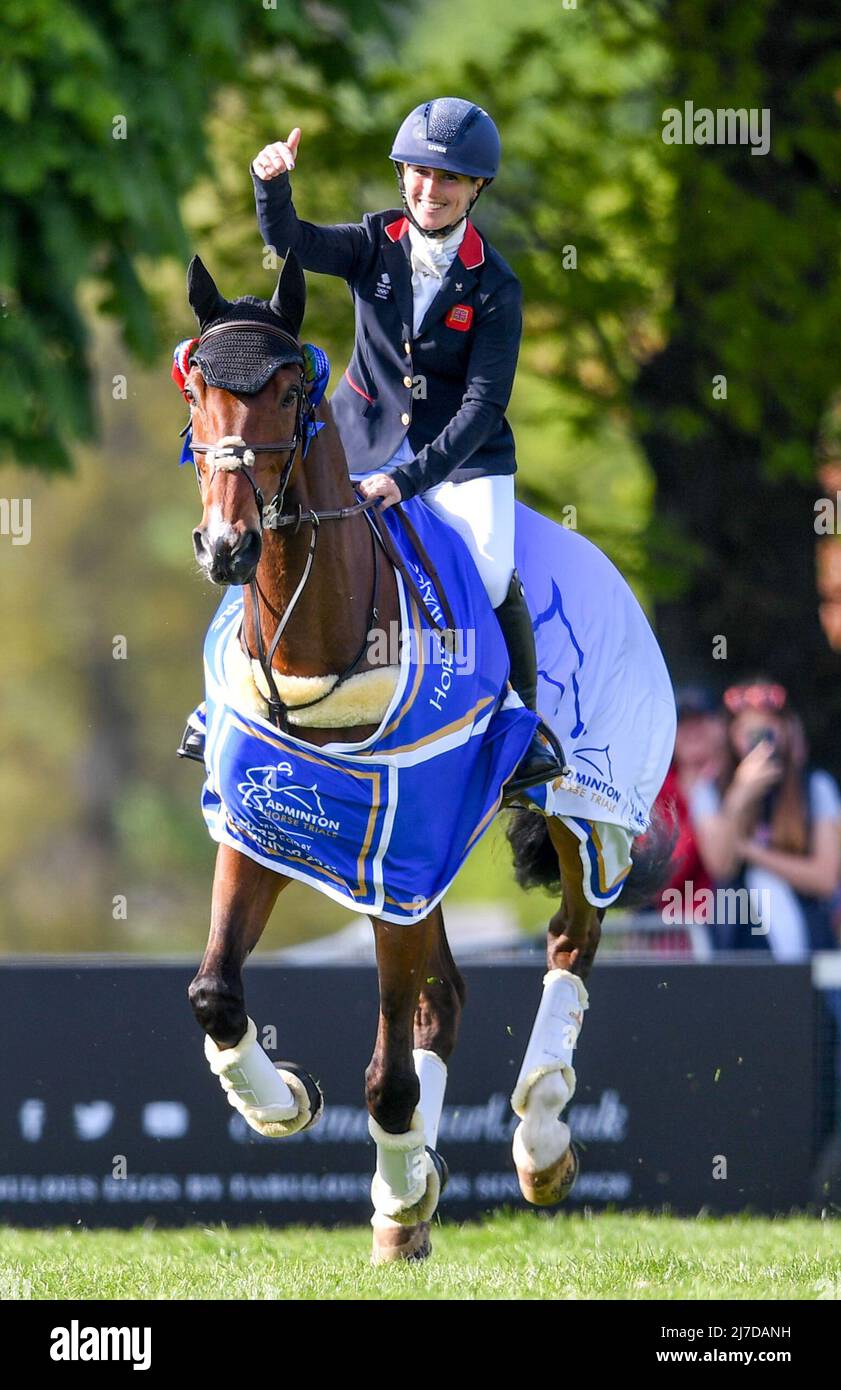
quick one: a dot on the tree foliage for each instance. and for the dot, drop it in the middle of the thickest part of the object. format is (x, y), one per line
(104, 127)
(754, 265)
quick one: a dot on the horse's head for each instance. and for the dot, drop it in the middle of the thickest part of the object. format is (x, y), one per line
(245, 389)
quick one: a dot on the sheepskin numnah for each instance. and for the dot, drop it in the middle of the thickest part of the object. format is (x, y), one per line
(361, 699)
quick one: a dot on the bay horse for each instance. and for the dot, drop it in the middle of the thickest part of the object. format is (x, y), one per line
(306, 615)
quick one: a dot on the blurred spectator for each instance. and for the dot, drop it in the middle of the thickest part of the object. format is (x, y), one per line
(700, 754)
(770, 823)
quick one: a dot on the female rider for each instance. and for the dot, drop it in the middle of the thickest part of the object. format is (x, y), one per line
(421, 407)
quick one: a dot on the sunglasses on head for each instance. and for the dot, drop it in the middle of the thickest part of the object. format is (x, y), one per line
(760, 697)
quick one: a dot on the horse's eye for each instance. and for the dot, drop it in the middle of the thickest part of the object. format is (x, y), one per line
(189, 395)
(291, 397)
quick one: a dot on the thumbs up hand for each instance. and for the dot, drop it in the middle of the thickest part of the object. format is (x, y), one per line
(278, 158)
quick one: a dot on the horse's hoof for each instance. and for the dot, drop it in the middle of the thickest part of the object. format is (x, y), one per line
(393, 1242)
(555, 1183)
(315, 1095)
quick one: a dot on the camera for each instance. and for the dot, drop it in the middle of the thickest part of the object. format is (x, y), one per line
(765, 735)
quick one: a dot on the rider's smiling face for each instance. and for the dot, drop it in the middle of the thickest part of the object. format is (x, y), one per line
(435, 196)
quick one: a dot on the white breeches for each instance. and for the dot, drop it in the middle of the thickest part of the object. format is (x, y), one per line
(482, 511)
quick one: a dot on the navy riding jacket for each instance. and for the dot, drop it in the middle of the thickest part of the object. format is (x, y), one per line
(447, 388)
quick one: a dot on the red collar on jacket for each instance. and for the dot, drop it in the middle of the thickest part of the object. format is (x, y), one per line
(471, 252)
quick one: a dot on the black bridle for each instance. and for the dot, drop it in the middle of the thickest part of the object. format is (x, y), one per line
(273, 518)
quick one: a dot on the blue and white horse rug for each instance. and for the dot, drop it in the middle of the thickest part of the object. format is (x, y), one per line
(383, 826)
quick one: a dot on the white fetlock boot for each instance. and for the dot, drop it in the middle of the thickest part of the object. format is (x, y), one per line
(405, 1191)
(401, 1231)
(275, 1099)
(545, 1159)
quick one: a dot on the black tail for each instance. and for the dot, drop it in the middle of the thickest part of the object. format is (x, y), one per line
(536, 863)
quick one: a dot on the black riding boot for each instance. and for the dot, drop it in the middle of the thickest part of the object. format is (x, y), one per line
(541, 761)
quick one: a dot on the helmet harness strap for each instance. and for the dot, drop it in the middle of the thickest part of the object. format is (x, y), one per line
(437, 232)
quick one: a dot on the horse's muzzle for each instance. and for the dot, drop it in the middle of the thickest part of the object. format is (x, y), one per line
(228, 559)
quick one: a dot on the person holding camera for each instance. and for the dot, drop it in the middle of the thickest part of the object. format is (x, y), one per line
(770, 823)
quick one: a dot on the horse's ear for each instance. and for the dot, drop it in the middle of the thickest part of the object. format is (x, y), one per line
(290, 297)
(205, 300)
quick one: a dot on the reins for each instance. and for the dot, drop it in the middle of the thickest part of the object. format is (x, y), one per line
(278, 709)
(380, 536)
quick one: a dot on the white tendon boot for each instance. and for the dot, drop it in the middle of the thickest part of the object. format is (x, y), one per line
(546, 1161)
(271, 1099)
(432, 1075)
(407, 1183)
(409, 1180)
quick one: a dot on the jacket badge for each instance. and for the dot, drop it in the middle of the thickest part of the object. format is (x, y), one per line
(460, 317)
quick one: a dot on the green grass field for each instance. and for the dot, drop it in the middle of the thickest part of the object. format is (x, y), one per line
(521, 1256)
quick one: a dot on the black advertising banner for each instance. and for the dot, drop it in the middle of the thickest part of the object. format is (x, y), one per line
(696, 1089)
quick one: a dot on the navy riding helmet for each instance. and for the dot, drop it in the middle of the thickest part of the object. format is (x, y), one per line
(450, 134)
